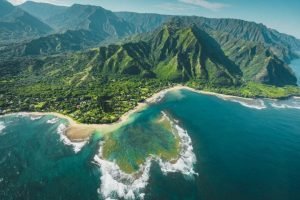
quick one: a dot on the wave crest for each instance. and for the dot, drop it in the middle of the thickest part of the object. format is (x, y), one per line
(34, 118)
(77, 146)
(2, 127)
(293, 103)
(117, 184)
(258, 104)
(52, 121)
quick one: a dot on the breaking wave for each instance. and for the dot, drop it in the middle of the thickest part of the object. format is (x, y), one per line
(52, 121)
(258, 104)
(77, 146)
(117, 184)
(2, 127)
(293, 103)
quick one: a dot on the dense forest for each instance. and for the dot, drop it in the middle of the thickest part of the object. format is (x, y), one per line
(66, 60)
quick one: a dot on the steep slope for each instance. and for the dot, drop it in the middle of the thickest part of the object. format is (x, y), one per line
(173, 53)
(42, 11)
(256, 61)
(144, 22)
(282, 45)
(92, 18)
(52, 44)
(79, 27)
(17, 25)
(189, 53)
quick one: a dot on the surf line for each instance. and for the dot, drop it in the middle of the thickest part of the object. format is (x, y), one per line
(117, 184)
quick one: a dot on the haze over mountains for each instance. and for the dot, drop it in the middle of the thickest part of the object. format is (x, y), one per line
(16, 23)
(221, 51)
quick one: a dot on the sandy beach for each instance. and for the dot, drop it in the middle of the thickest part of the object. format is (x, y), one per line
(79, 132)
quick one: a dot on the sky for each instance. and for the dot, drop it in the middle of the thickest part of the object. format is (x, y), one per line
(282, 15)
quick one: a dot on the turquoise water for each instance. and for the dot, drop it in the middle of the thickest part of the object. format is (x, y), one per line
(241, 152)
(35, 164)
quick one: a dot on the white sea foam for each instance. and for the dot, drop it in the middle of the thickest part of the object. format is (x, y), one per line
(117, 184)
(187, 157)
(77, 146)
(33, 118)
(2, 127)
(258, 104)
(23, 114)
(52, 121)
(293, 103)
(160, 97)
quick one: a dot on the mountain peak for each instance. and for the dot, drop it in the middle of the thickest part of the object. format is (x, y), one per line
(5, 7)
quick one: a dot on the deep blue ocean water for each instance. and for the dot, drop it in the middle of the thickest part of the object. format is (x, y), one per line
(242, 154)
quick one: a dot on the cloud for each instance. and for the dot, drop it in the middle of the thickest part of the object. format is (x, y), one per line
(214, 6)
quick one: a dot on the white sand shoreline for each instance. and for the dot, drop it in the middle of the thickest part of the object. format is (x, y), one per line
(79, 132)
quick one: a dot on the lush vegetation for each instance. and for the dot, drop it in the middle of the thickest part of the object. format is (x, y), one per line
(251, 90)
(102, 101)
(99, 85)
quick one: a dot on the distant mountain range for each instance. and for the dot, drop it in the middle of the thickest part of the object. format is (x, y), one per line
(42, 11)
(219, 51)
(18, 25)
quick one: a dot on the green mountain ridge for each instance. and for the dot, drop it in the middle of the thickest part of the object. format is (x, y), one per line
(42, 11)
(144, 22)
(114, 26)
(18, 25)
(80, 17)
(181, 54)
(282, 45)
(92, 18)
(96, 65)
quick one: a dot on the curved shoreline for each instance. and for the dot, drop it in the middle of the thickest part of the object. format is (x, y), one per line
(77, 132)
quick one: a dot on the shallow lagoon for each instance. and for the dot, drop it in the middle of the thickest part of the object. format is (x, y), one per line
(241, 153)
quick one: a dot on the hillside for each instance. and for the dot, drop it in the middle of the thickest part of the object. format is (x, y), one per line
(180, 54)
(17, 25)
(60, 72)
(144, 22)
(42, 11)
(114, 26)
(92, 18)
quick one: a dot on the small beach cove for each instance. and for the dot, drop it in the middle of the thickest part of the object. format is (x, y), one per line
(78, 132)
(142, 140)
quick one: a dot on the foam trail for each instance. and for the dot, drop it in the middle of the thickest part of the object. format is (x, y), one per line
(23, 114)
(258, 104)
(116, 184)
(52, 121)
(77, 146)
(293, 103)
(187, 157)
(160, 97)
(33, 118)
(2, 127)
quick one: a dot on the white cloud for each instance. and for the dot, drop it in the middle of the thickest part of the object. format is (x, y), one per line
(214, 6)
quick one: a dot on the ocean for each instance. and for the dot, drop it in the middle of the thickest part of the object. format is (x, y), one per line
(240, 150)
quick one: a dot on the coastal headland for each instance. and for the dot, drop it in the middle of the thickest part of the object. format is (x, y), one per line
(78, 132)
